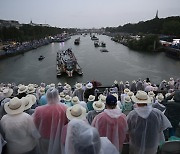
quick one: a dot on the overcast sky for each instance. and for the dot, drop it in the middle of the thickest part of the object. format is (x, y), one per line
(86, 13)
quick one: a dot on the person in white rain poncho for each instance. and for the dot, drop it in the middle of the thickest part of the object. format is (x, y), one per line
(83, 139)
(49, 120)
(18, 128)
(146, 125)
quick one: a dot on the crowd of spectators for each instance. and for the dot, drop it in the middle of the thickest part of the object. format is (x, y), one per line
(87, 119)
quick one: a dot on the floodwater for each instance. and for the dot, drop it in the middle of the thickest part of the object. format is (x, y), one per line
(120, 63)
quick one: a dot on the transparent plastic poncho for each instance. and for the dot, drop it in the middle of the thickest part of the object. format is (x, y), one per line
(146, 126)
(49, 120)
(83, 139)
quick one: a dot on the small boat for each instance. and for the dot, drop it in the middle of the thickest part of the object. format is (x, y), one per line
(94, 38)
(77, 41)
(96, 44)
(41, 57)
(104, 50)
(103, 44)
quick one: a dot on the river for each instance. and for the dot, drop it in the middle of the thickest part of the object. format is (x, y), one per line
(120, 63)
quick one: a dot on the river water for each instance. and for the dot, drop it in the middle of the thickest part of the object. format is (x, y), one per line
(120, 63)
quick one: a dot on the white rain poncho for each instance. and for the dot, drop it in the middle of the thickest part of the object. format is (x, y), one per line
(146, 127)
(20, 133)
(83, 139)
(49, 120)
(112, 124)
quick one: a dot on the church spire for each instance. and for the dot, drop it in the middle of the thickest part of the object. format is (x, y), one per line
(156, 15)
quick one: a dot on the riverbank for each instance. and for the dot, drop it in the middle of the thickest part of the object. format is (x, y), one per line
(16, 48)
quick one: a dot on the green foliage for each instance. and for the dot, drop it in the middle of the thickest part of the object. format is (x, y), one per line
(169, 26)
(27, 32)
(144, 44)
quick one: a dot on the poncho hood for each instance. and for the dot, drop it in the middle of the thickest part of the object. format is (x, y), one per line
(113, 113)
(143, 111)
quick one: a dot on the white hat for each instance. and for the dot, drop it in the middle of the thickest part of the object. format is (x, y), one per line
(89, 85)
(141, 97)
(76, 111)
(102, 98)
(67, 98)
(59, 84)
(160, 97)
(14, 106)
(91, 98)
(115, 82)
(121, 82)
(30, 89)
(126, 90)
(42, 91)
(164, 81)
(130, 94)
(78, 85)
(98, 106)
(171, 79)
(127, 82)
(28, 101)
(127, 99)
(133, 81)
(75, 100)
(22, 89)
(29, 85)
(151, 94)
(7, 92)
(35, 85)
(52, 85)
(62, 95)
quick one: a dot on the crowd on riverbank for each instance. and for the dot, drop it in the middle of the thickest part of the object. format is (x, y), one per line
(76, 119)
(15, 48)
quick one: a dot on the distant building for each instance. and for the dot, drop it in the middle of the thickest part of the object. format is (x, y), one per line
(42, 25)
(9, 23)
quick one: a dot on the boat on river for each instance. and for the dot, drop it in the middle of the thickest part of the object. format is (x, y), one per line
(77, 41)
(41, 58)
(67, 63)
(94, 38)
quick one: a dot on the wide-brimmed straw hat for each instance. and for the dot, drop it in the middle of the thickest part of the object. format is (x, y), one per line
(14, 106)
(42, 91)
(78, 86)
(127, 99)
(160, 97)
(75, 100)
(62, 95)
(151, 94)
(22, 89)
(7, 92)
(67, 98)
(28, 101)
(52, 85)
(31, 89)
(171, 79)
(89, 85)
(141, 97)
(76, 111)
(91, 98)
(98, 106)
(102, 98)
(126, 90)
(130, 94)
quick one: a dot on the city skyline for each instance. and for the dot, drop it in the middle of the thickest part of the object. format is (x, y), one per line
(89, 14)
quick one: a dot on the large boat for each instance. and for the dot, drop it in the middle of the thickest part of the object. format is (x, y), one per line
(67, 63)
(77, 41)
